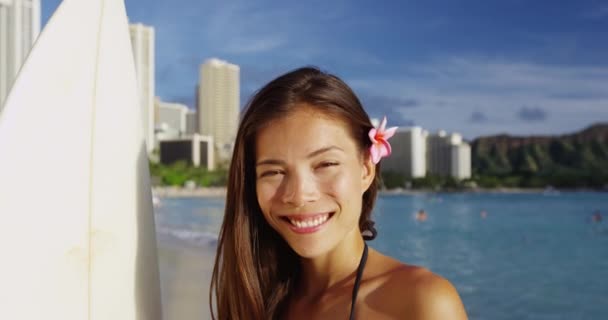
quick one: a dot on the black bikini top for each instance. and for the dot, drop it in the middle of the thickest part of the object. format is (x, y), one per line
(358, 281)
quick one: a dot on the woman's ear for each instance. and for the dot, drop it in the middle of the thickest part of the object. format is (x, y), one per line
(368, 173)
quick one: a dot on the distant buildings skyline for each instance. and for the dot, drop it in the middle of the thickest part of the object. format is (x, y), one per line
(206, 135)
(218, 101)
(416, 153)
(19, 28)
(143, 44)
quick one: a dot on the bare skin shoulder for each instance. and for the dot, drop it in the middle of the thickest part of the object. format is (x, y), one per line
(393, 290)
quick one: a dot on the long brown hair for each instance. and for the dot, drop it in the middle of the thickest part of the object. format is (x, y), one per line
(255, 269)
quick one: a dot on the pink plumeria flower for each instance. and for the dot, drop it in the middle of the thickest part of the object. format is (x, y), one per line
(379, 136)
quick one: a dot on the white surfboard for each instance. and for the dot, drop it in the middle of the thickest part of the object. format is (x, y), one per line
(77, 236)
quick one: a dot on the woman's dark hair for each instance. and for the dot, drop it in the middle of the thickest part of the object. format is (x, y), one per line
(255, 269)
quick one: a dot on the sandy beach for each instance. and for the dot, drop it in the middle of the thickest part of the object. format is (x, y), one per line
(185, 277)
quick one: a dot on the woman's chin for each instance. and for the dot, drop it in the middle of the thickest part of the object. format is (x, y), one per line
(311, 250)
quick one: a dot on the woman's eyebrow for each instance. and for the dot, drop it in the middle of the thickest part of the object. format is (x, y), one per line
(310, 155)
(322, 150)
(270, 162)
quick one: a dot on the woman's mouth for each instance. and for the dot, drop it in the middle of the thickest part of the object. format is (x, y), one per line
(307, 223)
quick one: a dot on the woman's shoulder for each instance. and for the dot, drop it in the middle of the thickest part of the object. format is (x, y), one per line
(412, 291)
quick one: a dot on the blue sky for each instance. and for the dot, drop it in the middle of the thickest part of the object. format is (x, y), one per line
(474, 67)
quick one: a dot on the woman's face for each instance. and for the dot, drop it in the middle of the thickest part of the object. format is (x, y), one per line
(310, 179)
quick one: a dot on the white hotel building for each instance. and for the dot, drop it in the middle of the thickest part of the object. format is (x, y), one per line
(448, 155)
(19, 28)
(408, 153)
(218, 99)
(142, 42)
(461, 161)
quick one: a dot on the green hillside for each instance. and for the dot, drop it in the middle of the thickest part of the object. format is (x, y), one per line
(574, 160)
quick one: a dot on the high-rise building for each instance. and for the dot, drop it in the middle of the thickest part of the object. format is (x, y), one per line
(438, 154)
(408, 155)
(461, 161)
(218, 108)
(19, 28)
(142, 41)
(448, 155)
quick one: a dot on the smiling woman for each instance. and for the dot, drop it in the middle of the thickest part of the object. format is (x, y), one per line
(302, 185)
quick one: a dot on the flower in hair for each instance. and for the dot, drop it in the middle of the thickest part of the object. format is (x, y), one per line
(379, 136)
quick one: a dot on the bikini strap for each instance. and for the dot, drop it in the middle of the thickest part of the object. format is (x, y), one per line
(358, 281)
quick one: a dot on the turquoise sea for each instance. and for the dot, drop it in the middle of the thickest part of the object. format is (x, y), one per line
(534, 256)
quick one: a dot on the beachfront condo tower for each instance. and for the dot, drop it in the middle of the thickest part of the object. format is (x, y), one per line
(461, 161)
(19, 28)
(448, 155)
(408, 155)
(218, 108)
(142, 42)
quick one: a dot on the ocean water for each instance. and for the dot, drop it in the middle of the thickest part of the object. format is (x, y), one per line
(534, 256)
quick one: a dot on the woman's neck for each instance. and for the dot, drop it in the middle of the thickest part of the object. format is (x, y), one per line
(332, 270)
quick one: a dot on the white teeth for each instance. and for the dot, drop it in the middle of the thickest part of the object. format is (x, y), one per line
(310, 222)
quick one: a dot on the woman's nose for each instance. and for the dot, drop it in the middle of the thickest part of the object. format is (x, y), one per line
(299, 189)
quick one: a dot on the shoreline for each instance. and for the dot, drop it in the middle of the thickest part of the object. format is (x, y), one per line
(184, 192)
(220, 192)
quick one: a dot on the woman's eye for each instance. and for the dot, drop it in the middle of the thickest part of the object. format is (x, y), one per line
(328, 164)
(270, 173)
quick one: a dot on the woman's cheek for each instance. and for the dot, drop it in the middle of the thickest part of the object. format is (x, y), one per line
(336, 184)
(265, 193)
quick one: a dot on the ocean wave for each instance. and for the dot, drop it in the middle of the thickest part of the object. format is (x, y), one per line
(189, 237)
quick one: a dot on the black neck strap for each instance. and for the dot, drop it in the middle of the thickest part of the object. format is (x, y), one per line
(358, 281)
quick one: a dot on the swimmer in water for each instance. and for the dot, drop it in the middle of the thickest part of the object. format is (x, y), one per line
(596, 217)
(421, 215)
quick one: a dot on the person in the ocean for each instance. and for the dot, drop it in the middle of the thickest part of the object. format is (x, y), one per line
(596, 217)
(483, 214)
(421, 215)
(302, 185)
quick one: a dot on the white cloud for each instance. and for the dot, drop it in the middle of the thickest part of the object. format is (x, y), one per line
(450, 90)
